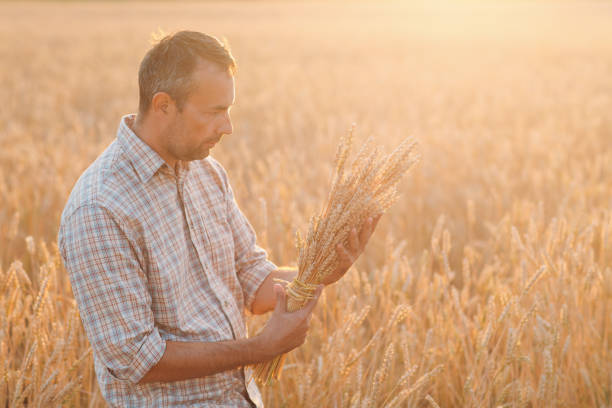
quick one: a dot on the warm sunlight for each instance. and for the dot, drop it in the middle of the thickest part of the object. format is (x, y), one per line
(442, 168)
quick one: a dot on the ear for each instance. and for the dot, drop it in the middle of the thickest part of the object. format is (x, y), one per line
(162, 104)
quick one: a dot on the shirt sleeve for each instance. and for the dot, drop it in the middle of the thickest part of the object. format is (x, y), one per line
(110, 288)
(251, 260)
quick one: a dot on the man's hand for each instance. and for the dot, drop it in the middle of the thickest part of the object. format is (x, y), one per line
(357, 243)
(265, 297)
(286, 330)
(186, 359)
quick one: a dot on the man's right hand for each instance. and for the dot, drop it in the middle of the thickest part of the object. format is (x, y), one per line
(286, 330)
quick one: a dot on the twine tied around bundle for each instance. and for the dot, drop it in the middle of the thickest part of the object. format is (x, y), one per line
(298, 292)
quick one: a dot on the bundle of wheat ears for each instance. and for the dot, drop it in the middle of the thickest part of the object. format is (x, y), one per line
(367, 191)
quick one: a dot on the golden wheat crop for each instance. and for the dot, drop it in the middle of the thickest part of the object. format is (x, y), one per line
(489, 283)
(365, 190)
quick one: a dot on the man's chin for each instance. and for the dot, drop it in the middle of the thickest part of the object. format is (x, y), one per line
(200, 156)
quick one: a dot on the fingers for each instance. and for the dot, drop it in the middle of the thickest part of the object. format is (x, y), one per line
(366, 231)
(345, 258)
(356, 242)
(353, 241)
(373, 225)
(281, 304)
(376, 219)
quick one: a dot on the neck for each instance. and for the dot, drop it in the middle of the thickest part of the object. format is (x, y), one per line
(153, 136)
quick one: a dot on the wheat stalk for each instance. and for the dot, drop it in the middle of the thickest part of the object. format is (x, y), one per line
(365, 192)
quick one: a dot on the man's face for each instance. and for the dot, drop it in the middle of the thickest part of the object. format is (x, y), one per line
(205, 116)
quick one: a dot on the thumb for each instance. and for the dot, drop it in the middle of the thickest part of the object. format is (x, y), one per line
(281, 304)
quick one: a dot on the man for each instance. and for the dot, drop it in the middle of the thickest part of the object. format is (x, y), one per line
(161, 260)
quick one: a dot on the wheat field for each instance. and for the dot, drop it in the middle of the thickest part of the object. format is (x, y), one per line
(488, 284)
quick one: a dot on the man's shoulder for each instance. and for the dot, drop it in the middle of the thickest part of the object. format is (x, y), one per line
(103, 184)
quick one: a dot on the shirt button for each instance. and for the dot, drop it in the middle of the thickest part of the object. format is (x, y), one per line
(225, 303)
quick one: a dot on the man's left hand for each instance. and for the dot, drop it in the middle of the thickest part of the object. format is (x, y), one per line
(357, 243)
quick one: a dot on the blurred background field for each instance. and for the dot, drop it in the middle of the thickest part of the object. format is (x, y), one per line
(488, 284)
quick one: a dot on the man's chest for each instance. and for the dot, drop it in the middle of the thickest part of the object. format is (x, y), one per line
(187, 251)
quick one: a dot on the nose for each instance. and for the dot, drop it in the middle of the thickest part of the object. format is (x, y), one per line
(226, 126)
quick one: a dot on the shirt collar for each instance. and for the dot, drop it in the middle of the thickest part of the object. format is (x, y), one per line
(145, 160)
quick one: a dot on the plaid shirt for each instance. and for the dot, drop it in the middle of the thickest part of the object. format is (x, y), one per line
(155, 255)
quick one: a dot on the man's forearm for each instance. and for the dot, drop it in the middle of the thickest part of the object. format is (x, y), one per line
(283, 332)
(185, 360)
(265, 299)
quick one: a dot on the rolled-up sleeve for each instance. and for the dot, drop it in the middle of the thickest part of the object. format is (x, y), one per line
(252, 264)
(110, 288)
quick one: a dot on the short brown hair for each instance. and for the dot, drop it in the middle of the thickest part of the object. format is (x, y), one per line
(169, 65)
